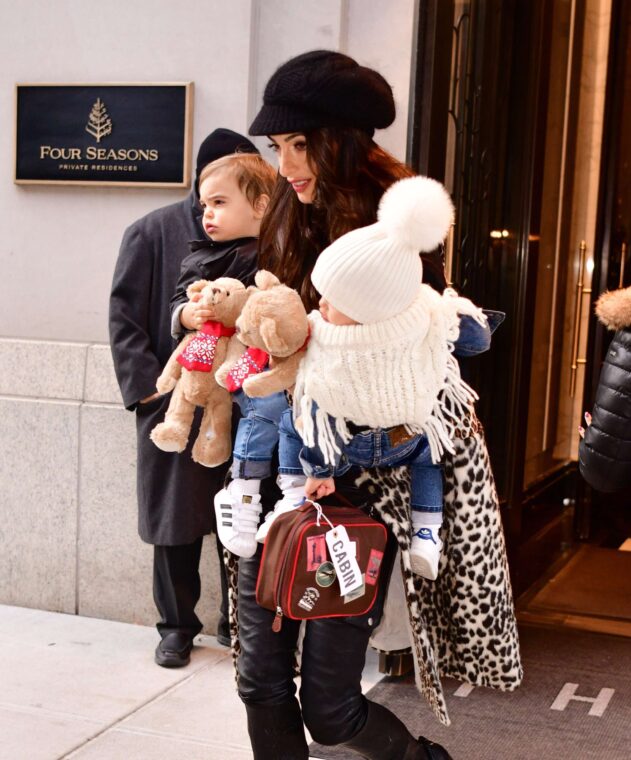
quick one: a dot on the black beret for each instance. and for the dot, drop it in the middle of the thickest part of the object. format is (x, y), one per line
(323, 88)
(220, 143)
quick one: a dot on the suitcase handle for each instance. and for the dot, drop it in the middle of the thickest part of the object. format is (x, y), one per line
(337, 498)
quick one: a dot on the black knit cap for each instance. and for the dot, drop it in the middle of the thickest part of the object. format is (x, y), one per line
(323, 88)
(220, 143)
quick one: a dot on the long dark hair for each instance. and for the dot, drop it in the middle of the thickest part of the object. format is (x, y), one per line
(352, 174)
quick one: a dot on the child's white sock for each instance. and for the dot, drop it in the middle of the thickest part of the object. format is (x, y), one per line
(426, 520)
(292, 486)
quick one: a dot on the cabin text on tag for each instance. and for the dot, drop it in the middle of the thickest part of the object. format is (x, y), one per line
(343, 557)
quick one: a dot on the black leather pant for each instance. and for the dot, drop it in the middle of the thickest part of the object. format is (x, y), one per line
(333, 656)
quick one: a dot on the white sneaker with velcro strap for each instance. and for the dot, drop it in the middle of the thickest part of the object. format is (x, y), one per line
(237, 521)
(425, 551)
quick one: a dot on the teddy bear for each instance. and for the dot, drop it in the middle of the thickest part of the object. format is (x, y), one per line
(190, 373)
(273, 321)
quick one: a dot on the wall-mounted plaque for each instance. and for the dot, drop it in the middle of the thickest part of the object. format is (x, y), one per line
(104, 134)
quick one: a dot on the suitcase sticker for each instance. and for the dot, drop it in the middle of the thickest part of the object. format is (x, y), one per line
(316, 552)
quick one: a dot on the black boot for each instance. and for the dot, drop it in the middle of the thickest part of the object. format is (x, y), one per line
(277, 732)
(431, 750)
(385, 737)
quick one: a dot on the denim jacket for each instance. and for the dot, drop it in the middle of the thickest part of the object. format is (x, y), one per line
(474, 338)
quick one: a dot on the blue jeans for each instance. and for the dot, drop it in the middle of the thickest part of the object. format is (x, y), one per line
(257, 434)
(371, 448)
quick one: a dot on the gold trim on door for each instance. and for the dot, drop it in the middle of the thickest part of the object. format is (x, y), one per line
(578, 313)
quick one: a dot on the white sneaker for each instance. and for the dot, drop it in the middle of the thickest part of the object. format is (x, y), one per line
(287, 504)
(237, 520)
(425, 552)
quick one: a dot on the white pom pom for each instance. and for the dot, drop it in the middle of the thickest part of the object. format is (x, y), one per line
(416, 211)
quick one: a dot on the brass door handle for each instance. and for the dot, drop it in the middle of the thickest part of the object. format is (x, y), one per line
(449, 254)
(623, 256)
(578, 313)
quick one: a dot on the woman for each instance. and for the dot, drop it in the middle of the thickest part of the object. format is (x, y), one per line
(320, 111)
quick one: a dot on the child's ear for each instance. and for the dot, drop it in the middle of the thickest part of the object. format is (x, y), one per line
(260, 206)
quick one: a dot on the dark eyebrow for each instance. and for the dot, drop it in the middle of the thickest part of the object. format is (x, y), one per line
(288, 138)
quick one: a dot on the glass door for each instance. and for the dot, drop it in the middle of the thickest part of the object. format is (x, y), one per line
(509, 114)
(563, 270)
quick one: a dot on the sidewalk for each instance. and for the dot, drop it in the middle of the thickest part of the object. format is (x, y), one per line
(87, 689)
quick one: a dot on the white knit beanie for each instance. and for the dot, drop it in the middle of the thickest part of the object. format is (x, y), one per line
(374, 273)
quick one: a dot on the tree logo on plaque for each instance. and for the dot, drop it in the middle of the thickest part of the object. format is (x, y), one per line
(99, 123)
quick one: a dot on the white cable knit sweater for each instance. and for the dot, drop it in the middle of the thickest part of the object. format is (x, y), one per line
(394, 372)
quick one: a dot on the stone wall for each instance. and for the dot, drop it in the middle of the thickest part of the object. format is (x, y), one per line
(67, 468)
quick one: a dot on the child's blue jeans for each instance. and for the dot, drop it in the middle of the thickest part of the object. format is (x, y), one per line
(371, 448)
(257, 434)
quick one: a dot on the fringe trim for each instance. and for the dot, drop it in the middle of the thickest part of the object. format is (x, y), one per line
(326, 438)
(461, 305)
(453, 405)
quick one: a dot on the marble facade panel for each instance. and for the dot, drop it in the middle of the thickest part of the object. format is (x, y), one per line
(115, 566)
(38, 472)
(42, 369)
(100, 380)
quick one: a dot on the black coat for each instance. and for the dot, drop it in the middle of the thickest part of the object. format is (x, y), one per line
(174, 493)
(208, 261)
(605, 452)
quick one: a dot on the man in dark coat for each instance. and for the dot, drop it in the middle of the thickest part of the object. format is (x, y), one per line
(175, 495)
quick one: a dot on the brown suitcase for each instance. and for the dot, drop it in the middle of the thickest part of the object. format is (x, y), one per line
(297, 578)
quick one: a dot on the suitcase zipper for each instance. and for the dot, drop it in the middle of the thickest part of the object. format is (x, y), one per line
(278, 620)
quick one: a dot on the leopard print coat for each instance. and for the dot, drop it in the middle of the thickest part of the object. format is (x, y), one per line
(463, 624)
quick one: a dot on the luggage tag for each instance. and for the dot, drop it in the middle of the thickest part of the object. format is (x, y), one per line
(342, 553)
(357, 593)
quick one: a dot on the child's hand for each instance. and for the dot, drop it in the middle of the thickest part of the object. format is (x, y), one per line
(316, 489)
(194, 314)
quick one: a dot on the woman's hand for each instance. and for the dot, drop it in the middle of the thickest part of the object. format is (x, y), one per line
(316, 489)
(194, 314)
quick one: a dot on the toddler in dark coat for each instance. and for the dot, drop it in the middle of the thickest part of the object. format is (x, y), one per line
(234, 193)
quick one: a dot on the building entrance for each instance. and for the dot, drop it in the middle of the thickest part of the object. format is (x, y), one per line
(510, 112)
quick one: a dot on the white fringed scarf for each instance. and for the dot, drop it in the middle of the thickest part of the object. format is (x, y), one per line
(400, 371)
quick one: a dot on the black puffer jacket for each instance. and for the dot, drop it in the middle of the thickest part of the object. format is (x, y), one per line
(605, 452)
